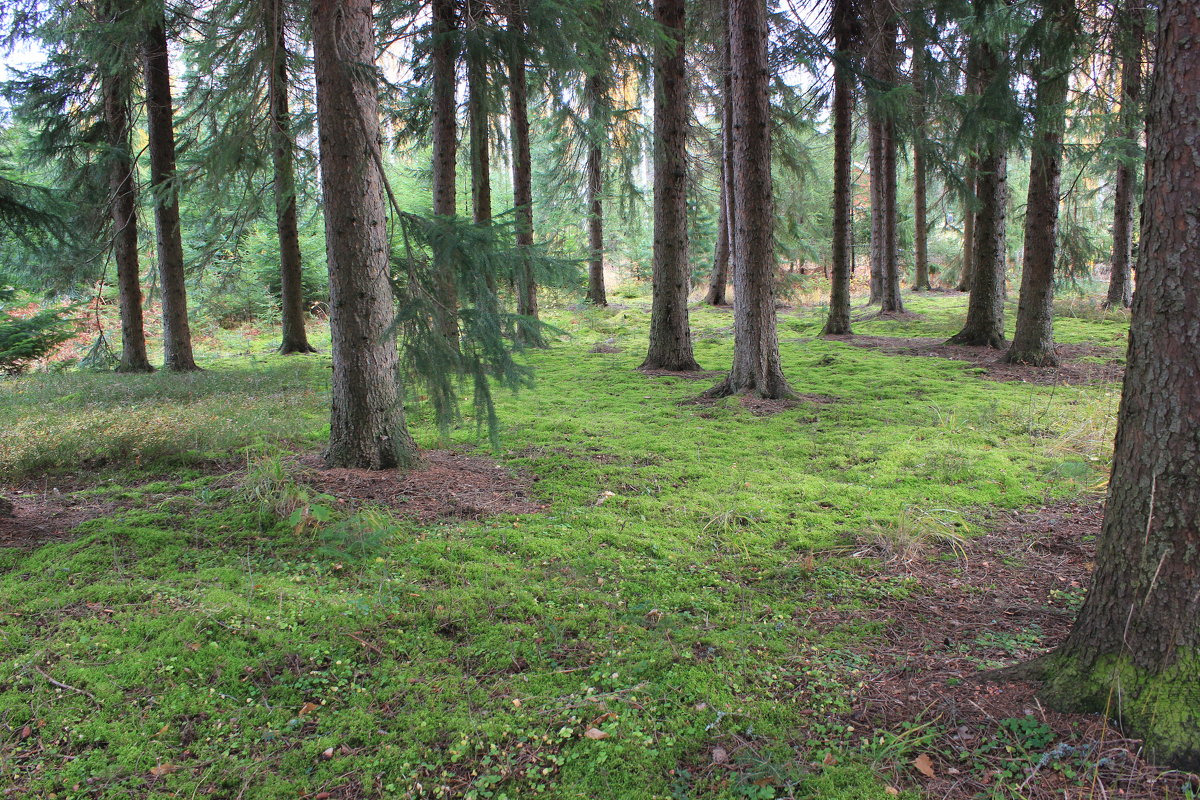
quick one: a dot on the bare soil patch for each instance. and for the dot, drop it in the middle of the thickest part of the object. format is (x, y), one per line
(447, 484)
(1011, 597)
(1072, 369)
(46, 515)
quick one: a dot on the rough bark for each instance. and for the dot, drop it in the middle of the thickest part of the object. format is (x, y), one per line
(881, 63)
(594, 96)
(160, 132)
(1033, 341)
(295, 337)
(1131, 35)
(522, 169)
(477, 118)
(719, 278)
(968, 246)
(756, 367)
(920, 203)
(122, 190)
(445, 148)
(838, 322)
(1134, 652)
(670, 335)
(984, 326)
(878, 205)
(367, 428)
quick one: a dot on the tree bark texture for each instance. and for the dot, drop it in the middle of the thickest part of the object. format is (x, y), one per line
(160, 129)
(756, 365)
(968, 247)
(881, 63)
(670, 336)
(1033, 341)
(920, 203)
(445, 149)
(122, 189)
(367, 428)
(719, 278)
(984, 326)
(522, 169)
(1134, 651)
(1131, 35)
(838, 322)
(477, 116)
(295, 337)
(594, 95)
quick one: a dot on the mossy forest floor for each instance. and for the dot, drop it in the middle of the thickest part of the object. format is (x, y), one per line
(637, 596)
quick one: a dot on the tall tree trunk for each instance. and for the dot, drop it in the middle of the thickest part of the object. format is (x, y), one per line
(594, 96)
(720, 272)
(295, 338)
(889, 283)
(367, 428)
(968, 246)
(445, 147)
(670, 336)
(756, 368)
(984, 326)
(875, 147)
(920, 204)
(843, 23)
(522, 170)
(1033, 341)
(1131, 33)
(1134, 651)
(122, 189)
(160, 130)
(477, 116)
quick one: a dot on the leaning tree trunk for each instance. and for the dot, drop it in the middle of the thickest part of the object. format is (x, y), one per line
(920, 203)
(522, 170)
(445, 146)
(838, 322)
(123, 210)
(160, 129)
(1131, 35)
(295, 338)
(1033, 341)
(756, 367)
(594, 94)
(367, 428)
(984, 326)
(1134, 651)
(670, 336)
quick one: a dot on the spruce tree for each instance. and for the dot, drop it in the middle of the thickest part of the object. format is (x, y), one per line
(844, 26)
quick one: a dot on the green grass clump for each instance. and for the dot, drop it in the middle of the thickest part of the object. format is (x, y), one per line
(237, 635)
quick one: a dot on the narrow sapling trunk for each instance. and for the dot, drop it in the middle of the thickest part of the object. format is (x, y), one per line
(295, 337)
(1134, 651)
(445, 147)
(670, 336)
(160, 130)
(838, 322)
(522, 170)
(123, 210)
(756, 367)
(593, 93)
(367, 428)
(1131, 34)
(1033, 341)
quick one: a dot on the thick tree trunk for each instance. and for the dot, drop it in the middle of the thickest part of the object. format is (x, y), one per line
(1132, 34)
(984, 326)
(367, 428)
(1134, 652)
(295, 338)
(123, 210)
(670, 336)
(522, 169)
(756, 367)
(1033, 341)
(445, 147)
(594, 94)
(719, 278)
(838, 322)
(160, 130)
(920, 204)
